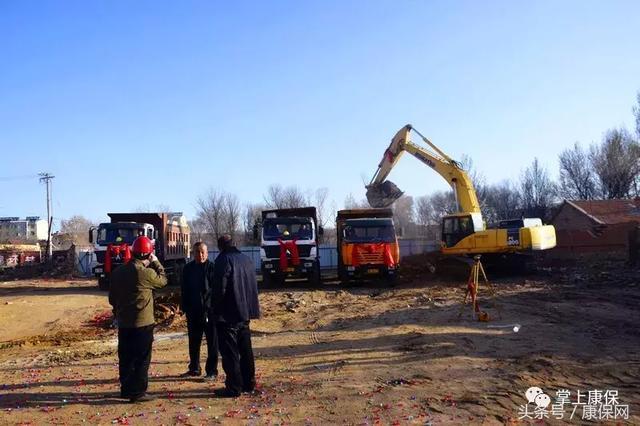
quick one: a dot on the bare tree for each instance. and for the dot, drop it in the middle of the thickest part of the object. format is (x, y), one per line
(278, 197)
(351, 203)
(294, 197)
(251, 217)
(424, 211)
(537, 191)
(231, 213)
(424, 215)
(403, 214)
(577, 180)
(198, 229)
(76, 229)
(616, 163)
(274, 198)
(210, 210)
(320, 200)
(636, 113)
(503, 202)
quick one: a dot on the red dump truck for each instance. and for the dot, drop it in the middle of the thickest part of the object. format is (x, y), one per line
(367, 244)
(112, 242)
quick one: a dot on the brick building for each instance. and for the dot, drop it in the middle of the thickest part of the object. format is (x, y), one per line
(589, 226)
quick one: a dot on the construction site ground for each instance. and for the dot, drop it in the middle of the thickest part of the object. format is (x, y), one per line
(364, 354)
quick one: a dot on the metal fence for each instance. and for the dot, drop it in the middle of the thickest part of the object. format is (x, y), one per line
(329, 254)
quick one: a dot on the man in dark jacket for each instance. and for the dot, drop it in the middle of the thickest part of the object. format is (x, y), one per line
(234, 304)
(197, 278)
(131, 295)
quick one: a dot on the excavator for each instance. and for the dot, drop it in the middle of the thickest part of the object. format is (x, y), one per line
(463, 233)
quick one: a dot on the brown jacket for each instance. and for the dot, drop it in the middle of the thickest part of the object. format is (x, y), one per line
(131, 294)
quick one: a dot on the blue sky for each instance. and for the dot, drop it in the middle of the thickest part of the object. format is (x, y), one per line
(147, 103)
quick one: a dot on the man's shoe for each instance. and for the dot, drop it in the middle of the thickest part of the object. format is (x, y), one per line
(192, 373)
(141, 398)
(249, 388)
(210, 377)
(225, 393)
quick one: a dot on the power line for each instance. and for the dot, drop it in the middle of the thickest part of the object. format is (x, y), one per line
(22, 177)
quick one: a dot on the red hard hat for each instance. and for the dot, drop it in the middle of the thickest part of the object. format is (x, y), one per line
(142, 245)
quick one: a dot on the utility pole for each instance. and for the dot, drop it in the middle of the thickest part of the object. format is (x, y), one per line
(46, 178)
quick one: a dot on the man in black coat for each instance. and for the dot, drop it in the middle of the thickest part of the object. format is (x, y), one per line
(234, 304)
(197, 278)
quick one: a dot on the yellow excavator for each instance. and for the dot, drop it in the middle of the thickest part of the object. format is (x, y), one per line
(465, 232)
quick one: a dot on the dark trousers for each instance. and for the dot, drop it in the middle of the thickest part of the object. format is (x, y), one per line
(134, 356)
(237, 356)
(196, 325)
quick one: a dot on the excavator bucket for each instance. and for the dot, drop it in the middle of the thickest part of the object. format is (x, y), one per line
(383, 194)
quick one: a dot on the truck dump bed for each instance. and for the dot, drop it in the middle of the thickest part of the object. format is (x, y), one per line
(297, 212)
(364, 214)
(173, 232)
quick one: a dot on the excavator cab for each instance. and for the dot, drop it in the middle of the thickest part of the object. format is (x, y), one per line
(459, 226)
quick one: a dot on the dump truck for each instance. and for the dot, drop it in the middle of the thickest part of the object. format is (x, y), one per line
(367, 244)
(289, 245)
(112, 241)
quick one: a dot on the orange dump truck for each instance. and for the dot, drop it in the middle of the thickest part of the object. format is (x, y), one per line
(367, 244)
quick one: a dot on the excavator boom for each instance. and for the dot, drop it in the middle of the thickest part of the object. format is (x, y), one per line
(382, 193)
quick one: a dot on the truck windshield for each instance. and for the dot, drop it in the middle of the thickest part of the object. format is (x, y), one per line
(369, 231)
(287, 229)
(115, 235)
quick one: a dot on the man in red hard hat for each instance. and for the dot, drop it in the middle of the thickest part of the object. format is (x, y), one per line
(131, 295)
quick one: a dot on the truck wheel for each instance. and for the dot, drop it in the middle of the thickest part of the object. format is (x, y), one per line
(391, 280)
(343, 277)
(103, 284)
(315, 277)
(267, 282)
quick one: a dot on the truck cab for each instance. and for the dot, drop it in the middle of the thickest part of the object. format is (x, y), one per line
(289, 245)
(112, 241)
(112, 244)
(367, 244)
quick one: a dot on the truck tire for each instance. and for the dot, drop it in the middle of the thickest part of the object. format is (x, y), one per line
(103, 284)
(391, 280)
(266, 279)
(343, 277)
(315, 277)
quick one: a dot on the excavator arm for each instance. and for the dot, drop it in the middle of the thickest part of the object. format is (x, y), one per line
(382, 193)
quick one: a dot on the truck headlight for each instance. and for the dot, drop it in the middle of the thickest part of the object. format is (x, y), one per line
(268, 266)
(263, 254)
(308, 264)
(313, 252)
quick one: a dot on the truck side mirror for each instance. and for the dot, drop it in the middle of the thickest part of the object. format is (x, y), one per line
(320, 230)
(91, 235)
(155, 234)
(255, 232)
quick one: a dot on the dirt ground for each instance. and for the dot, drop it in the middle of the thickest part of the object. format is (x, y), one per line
(359, 355)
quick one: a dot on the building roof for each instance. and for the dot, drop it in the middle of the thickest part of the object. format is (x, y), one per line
(609, 211)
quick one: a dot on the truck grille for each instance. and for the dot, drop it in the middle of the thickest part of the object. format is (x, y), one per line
(273, 252)
(372, 258)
